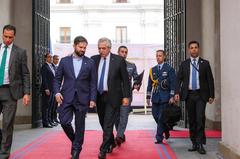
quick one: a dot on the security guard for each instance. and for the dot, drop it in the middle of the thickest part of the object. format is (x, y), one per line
(161, 91)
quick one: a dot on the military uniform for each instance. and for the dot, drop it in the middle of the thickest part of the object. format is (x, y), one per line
(122, 117)
(160, 89)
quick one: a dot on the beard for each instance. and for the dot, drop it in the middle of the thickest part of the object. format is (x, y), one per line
(79, 53)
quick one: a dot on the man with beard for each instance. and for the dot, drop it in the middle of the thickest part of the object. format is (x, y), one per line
(75, 88)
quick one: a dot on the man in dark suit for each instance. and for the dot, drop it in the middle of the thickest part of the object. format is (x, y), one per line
(195, 85)
(14, 84)
(54, 116)
(48, 73)
(75, 86)
(113, 91)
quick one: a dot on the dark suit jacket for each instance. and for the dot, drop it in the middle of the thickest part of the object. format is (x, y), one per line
(118, 82)
(47, 78)
(85, 84)
(19, 76)
(205, 79)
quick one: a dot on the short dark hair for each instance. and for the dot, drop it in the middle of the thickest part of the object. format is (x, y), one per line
(46, 55)
(10, 27)
(80, 39)
(54, 56)
(193, 42)
(160, 50)
(122, 46)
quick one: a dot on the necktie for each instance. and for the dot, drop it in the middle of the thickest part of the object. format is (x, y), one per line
(2, 67)
(101, 81)
(194, 75)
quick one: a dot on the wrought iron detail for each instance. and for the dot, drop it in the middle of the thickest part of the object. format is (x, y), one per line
(41, 45)
(174, 38)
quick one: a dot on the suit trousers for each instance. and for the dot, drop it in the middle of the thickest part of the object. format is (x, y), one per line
(157, 112)
(107, 115)
(8, 107)
(66, 117)
(122, 119)
(45, 108)
(196, 117)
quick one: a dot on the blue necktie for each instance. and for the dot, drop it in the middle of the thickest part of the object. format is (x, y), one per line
(3, 63)
(101, 81)
(194, 75)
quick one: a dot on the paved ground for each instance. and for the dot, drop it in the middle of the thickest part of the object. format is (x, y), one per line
(136, 122)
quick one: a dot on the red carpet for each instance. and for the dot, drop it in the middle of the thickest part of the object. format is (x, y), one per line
(139, 145)
(185, 134)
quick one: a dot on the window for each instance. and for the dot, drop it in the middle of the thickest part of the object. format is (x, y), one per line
(121, 1)
(64, 1)
(121, 34)
(65, 34)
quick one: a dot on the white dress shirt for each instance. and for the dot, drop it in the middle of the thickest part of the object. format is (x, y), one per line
(9, 50)
(105, 86)
(190, 78)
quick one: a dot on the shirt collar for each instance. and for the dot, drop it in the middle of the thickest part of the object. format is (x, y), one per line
(197, 58)
(9, 46)
(76, 57)
(161, 65)
(108, 57)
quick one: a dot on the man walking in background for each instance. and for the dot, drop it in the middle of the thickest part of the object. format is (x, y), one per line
(14, 84)
(195, 85)
(122, 116)
(75, 88)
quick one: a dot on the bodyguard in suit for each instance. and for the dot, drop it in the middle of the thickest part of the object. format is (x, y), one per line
(14, 84)
(160, 90)
(75, 86)
(54, 117)
(122, 116)
(48, 73)
(195, 85)
(113, 91)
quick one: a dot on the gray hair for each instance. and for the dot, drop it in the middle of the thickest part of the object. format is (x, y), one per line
(108, 41)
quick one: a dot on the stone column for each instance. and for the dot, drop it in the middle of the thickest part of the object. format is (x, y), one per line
(22, 19)
(210, 50)
(230, 77)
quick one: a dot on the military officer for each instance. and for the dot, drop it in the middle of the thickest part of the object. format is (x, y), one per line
(160, 90)
(122, 116)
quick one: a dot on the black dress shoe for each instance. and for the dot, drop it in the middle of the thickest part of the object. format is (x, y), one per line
(124, 138)
(119, 141)
(57, 121)
(111, 147)
(102, 155)
(194, 148)
(47, 126)
(53, 124)
(158, 142)
(75, 155)
(201, 149)
(167, 135)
